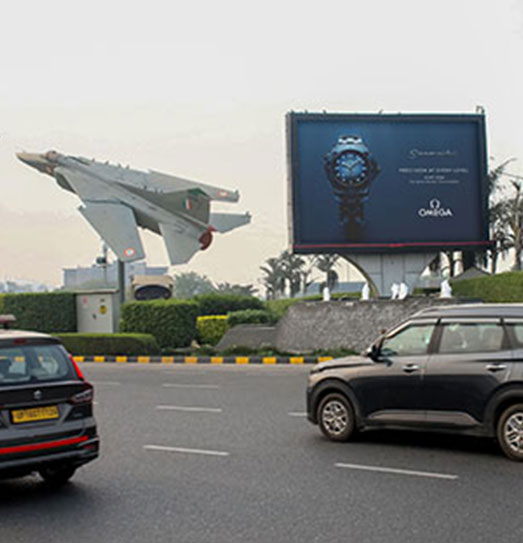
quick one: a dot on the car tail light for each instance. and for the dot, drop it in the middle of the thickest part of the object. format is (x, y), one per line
(79, 373)
(86, 396)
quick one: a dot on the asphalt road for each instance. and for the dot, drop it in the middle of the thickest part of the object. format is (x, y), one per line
(225, 454)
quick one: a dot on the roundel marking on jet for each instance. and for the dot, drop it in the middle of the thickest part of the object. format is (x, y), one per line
(129, 252)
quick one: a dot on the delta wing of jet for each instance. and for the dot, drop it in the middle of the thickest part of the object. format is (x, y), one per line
(116, 200)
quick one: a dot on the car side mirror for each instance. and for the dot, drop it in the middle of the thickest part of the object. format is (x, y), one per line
(374, 351)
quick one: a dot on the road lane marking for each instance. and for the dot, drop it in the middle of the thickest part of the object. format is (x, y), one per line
(180, 385)
(111, 383)
(397, 471)
(183, 450)
(297, 414)
(190, 409)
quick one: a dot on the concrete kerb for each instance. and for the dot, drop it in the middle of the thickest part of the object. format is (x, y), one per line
(237, 360)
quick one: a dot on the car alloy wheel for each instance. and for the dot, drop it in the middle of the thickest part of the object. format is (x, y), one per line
(336, 417)
(510, 432)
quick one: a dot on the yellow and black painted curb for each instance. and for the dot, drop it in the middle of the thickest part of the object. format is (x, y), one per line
(238, 360)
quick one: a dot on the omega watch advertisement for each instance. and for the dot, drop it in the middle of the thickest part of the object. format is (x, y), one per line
(387, 183)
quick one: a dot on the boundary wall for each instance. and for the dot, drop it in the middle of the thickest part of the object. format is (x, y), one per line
(354, 325)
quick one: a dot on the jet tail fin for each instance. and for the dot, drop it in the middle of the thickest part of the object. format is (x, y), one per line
(224, 222)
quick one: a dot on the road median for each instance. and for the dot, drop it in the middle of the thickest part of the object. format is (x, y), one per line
(213, 360)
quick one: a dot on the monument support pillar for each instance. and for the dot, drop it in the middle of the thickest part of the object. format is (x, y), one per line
(382, 270)
(121, 281)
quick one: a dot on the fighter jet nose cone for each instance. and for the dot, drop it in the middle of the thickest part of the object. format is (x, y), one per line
(24, 157)
(37, 161)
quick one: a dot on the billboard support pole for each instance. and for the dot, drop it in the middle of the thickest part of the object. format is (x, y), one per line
(382, 270)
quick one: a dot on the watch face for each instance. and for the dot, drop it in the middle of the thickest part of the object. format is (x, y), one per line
(351, 168)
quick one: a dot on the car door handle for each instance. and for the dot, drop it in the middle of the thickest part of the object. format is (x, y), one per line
(496, 367)
(409, 368)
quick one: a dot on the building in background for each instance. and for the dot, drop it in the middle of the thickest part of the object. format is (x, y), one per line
(105, 276)
(19, 285)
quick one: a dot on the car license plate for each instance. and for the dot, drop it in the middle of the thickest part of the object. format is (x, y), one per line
(19, 416)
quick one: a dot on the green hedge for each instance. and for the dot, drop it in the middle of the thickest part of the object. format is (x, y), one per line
(211, 328)
(251, 316)
(221, 304)
(110, 344)
(504, 287)
(171, 322)
(41, 311)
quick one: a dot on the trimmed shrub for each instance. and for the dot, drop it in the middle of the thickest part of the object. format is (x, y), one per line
(221, 304)
(211, 328)
(504, 287)
(109, 344)
(171, 322)
(279, 307)
(251, 316)
(41, 311)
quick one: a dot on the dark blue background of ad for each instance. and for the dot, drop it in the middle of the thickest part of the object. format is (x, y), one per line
(391, 210)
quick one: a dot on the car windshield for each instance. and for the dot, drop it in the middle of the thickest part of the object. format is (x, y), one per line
(33, 363)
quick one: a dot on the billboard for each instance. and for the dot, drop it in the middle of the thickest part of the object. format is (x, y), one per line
(387, 183)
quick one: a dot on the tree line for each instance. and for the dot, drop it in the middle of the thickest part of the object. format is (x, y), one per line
(292, 274)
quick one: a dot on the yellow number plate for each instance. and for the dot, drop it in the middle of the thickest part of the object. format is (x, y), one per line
(36, 413)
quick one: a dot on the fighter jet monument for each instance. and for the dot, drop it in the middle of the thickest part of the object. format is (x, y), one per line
(118, 199)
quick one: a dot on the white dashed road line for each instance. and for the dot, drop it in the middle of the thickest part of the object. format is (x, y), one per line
(189, 409)
(181, 385)
(111, 383)
(398, 471)
(183, 450)
(297, 414)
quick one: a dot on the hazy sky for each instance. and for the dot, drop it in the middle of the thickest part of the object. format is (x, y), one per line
(200, 89)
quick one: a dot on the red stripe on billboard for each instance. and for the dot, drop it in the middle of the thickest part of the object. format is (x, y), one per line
(390, 245)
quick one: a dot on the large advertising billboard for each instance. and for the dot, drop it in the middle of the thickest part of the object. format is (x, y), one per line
(387, 183)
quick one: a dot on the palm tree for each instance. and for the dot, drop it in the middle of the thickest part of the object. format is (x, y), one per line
(292, 266)
(306, 272)
(512, 216)
(326, 263)
(274, 280)
(499, 234)
(498, 213)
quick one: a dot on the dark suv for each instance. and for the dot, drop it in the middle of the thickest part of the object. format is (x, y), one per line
(46, 418)
(454, 368)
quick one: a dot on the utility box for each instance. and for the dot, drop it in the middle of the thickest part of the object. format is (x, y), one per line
(98, 311)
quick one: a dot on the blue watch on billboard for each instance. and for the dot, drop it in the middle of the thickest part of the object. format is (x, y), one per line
(350, 169)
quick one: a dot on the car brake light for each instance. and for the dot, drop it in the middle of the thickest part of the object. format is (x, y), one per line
(86, 396)
(79, 373)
